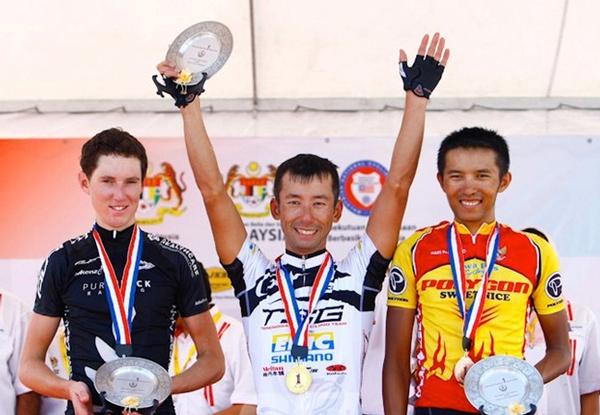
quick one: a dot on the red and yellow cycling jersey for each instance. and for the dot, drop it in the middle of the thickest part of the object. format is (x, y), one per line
(525, 272)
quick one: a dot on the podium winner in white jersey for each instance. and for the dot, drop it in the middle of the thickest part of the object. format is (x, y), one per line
(303, 367)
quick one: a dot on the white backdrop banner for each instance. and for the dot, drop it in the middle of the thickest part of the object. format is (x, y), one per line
(554, 188)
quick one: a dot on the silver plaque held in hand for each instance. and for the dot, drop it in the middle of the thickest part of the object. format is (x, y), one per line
(201, 48)
(133, 382)
(503, 385)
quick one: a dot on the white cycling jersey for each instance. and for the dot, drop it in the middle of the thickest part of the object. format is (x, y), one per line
(339, 329)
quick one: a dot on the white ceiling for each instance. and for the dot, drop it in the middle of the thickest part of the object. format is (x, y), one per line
(85, 51)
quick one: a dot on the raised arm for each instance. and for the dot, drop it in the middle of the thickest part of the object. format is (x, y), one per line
(210, 364)
(419, 81)
(227, 227)
(35, 374)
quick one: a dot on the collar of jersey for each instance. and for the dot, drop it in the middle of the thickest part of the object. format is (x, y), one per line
(484, 229)
(109, 235)
(304, 261)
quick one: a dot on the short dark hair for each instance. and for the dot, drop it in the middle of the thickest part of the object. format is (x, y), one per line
(537, 232)
(305, 167)
(113, 141)
(473, 138)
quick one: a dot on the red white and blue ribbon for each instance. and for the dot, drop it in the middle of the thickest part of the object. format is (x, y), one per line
(298, 325)
(472, 316)
(121, 297)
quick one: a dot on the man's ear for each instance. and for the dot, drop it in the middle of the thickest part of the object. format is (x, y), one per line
(337, 211)
(84, 182)
(274, 208)
(504, 182)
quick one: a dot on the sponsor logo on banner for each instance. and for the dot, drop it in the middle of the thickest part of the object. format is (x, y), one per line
(218, 279)
(162, 195)
(361, 183)
(320, 348)
(251, 192)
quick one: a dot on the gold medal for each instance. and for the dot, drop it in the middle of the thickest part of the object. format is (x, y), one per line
(298, 379)
(461, 368)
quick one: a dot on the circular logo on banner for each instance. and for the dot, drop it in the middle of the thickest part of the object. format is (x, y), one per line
(397, 281)
(361, 183)
(554, 286)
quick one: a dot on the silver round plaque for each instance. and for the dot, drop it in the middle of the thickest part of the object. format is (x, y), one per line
(133, 377)
(203, 47)
(502, 383)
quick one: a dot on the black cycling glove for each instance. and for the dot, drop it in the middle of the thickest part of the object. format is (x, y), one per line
(183, 94)
(423, 76)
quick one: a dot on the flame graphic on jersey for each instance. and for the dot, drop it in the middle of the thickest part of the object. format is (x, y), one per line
(479, 354)
(437, 362)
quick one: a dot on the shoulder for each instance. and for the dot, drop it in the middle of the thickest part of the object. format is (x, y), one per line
(435, 235)
(172, 252)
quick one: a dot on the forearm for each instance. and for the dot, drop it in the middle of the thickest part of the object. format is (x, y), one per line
(28, 404)
(554, 363)
(200, 151)
(386, 215)
(590, 403)
(396, 380)
(407, 148)
(37, 376)
(205, 371)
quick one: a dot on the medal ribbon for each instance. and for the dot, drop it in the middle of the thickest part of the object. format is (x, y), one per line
(121, 297)
(299, 326)
(472, 316)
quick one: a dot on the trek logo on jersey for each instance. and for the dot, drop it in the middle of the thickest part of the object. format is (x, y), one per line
(320, 347)
(251, 193)
(162, 195)
(360, 185)
(554, 286)
(397, 281)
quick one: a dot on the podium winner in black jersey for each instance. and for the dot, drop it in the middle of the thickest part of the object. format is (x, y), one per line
(117, 288)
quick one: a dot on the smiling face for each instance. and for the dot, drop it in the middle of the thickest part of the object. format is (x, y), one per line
(114, 187)
(471, 180)
(306, 210)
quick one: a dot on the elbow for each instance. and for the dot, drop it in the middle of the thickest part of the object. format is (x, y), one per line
(218, 370)
(565, 360)
(24, 373)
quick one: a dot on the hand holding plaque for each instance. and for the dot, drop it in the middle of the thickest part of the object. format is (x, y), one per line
(133, 383)
(196, 54)
(503, 385)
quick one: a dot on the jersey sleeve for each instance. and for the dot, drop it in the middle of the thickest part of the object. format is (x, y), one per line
(249, 265)
(191, 296)
(402, 288)
(589, 376)
(241, 369)
(50, 285)
(547, 296)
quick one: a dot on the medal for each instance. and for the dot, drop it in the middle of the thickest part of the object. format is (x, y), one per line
(121, 296)
(472, 316)
(298, 379)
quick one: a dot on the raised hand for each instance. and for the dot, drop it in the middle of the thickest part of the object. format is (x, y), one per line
(426, 71)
